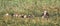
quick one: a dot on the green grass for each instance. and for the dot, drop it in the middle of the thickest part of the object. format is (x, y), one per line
(37, 21)
(29, 6)
(35, 7)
